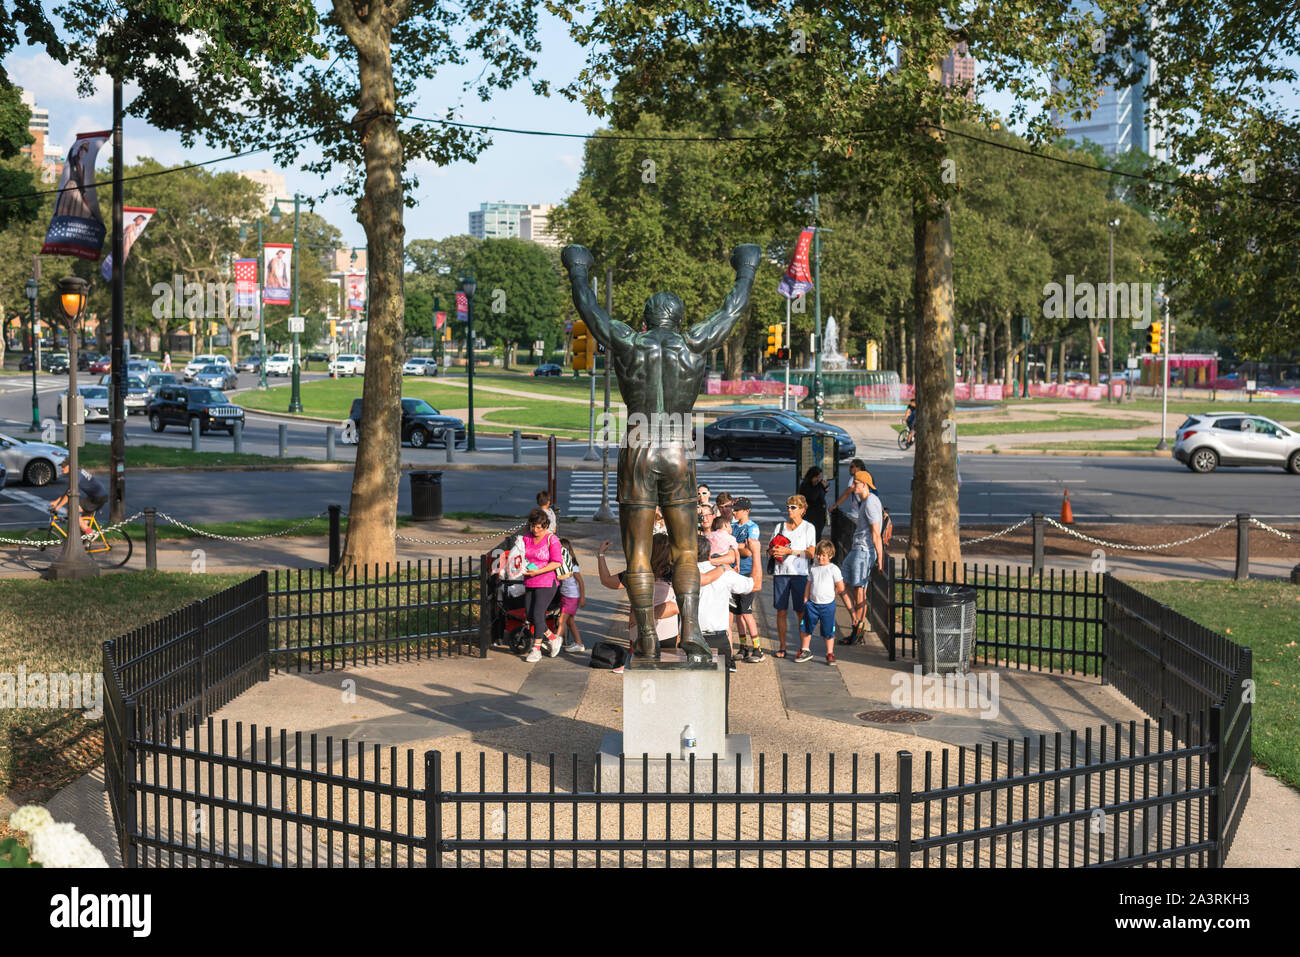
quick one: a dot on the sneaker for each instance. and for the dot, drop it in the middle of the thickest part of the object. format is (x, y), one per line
(618, 670)
(830, 660)
(534, 655)
(744, 653)
(804, 655)
(575, 647)
(757, 656)
(731, 666)
(553, 645)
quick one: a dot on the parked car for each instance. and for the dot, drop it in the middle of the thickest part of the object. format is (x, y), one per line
(26, 363)
(249, 364)
(102, 364)
(153, 382)
(348, 364)
(137, 393)
(36, 463)
(56, 363)
(767, 435)
(420, 365)
(198, 362)
(279, 364)
(178, 404)
(145, 367)
(217, 377)
(422, 424)
(548, 368)
(95, 403)
(317, 357)
(1206, 441)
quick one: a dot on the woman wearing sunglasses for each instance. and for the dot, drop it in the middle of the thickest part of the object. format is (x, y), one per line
(791, 549)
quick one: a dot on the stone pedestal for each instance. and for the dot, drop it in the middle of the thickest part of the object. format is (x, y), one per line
(664, 702)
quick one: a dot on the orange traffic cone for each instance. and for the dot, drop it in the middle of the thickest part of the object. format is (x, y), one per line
(1067, 513)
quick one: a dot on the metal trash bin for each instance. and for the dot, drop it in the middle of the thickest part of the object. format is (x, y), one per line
(426, 496)
(944, 623)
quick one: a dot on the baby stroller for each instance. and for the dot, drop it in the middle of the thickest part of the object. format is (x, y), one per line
(509, 624)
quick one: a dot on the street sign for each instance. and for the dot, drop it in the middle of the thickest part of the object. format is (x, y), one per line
(1101, 344)
(1132, 362)
(297, 323)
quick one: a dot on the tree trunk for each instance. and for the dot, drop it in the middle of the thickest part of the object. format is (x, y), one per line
(735, 357)
(1047, 362)
(935, 523)
(372, 512)
(979, 356)
(1009, 359)
(1094, 357)
(902, 350)
(1060, 374)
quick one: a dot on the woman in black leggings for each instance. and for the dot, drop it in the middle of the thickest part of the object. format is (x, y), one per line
(542, 557)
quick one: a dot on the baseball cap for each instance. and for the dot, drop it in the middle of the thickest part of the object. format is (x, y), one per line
(740, 504)
(863, 476)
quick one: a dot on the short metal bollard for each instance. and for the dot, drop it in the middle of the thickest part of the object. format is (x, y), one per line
(284, 439)
(329, 443)
(1242, 572)
(238, 431)
(449, 440)
(151, 539)
(1039, 530)
(195, 429)
(517, 446)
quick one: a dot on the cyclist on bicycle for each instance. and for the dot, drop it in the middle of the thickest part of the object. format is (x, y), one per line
(93, 496)
(910, 421)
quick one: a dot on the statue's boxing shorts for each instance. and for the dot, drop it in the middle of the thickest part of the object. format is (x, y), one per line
(656, 474)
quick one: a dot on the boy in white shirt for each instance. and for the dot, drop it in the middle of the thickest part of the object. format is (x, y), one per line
(824, 583)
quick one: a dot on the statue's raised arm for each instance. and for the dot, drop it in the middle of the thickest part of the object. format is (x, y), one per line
(609, 332)
(712, 332)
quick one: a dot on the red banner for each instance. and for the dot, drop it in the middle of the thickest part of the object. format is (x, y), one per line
(798, 276)
(439, 320)
(77, 229)
(462, 307)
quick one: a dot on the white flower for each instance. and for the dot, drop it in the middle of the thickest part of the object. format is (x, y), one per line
(30, 817)
(62, 845)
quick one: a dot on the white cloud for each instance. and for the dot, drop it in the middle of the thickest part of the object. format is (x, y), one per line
(570, 161)
(54, 83)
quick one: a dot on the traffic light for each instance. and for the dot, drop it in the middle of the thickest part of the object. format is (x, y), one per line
(334, 328)
(1153, 342)
(581, 346)
(783, 354)
(774, 339)
(212, 328)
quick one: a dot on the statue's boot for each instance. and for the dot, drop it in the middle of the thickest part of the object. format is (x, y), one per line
(647, 638)
(693, 643)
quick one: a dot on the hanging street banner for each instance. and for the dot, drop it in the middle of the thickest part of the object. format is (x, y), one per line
(275, 281)
(136, 219)
(246, 283)
(798, 277)
(356, 291)
(439, 320)
(462, 307)
(77, 229)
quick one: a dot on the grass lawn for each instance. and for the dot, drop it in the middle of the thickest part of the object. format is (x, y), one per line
(1265, 616)
(156, 456)
(332, 398)
(1065, 422)
(1113, 445)
(59, 627)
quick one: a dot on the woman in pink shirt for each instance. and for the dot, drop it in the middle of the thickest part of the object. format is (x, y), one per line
(541, 558)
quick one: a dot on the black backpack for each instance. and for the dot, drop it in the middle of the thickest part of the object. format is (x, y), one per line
(607, 655)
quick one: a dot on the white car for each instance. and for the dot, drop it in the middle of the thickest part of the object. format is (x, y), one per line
(36, 463)
(1208, 440)
(95, 403)
(348, 365)
(279, 364)
(199, 362)
(420, 366)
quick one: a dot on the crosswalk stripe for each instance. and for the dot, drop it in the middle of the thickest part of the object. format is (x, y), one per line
(584, 491)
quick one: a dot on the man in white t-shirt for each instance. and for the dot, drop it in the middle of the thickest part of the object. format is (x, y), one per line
(718, 584)
(867, 548)
(792, 551)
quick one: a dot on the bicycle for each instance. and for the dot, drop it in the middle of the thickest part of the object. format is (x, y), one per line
(906, 439)
(41, 547)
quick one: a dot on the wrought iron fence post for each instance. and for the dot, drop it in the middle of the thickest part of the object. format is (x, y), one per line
(903, 782)
(891, 586)
(1218, 784)
(1165, 613)
(1039, 529)
(432, 808)
(151, 539)
(264, 583)
(126, 789)
(484, 616)
(200, 649)
(1242, 572)
(336, 550)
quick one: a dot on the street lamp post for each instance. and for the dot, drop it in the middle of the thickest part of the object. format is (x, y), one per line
(32, 289)
(295, 398)
(261, 318)
(965, 344)
(468, 284)
(73, 562)
(1110, 331)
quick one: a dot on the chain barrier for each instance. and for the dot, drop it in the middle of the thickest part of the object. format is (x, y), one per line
(1269, 528)
(1135, 548)
(462, 541)
(1006, 531)
(85, 537)
(239, 538)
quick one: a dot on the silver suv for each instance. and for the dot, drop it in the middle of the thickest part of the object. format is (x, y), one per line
(1206, 441)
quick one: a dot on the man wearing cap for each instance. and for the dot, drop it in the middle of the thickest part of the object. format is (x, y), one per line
(867, 549)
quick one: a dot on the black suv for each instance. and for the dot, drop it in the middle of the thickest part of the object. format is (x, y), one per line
(422, 424)
(178, 404)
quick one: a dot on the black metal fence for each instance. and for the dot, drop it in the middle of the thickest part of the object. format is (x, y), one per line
(1049, 622)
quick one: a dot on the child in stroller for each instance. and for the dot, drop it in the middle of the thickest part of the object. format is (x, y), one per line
(509, 623)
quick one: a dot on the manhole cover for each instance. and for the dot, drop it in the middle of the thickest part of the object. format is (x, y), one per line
(894, 716)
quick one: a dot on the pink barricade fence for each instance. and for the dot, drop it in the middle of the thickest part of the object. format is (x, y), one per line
(1073, 390)
(978, 390)
(752, 387)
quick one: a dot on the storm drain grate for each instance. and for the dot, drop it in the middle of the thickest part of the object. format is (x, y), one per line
(894, 716)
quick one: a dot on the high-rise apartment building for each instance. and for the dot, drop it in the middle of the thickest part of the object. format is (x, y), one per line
(529, 221)
(958, 69)
(271, 182)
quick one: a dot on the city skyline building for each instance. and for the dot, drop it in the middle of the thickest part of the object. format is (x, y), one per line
(272, 183)
(501, 220)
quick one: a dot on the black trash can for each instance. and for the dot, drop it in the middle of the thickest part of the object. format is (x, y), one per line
(944, 621)
(426, 496)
